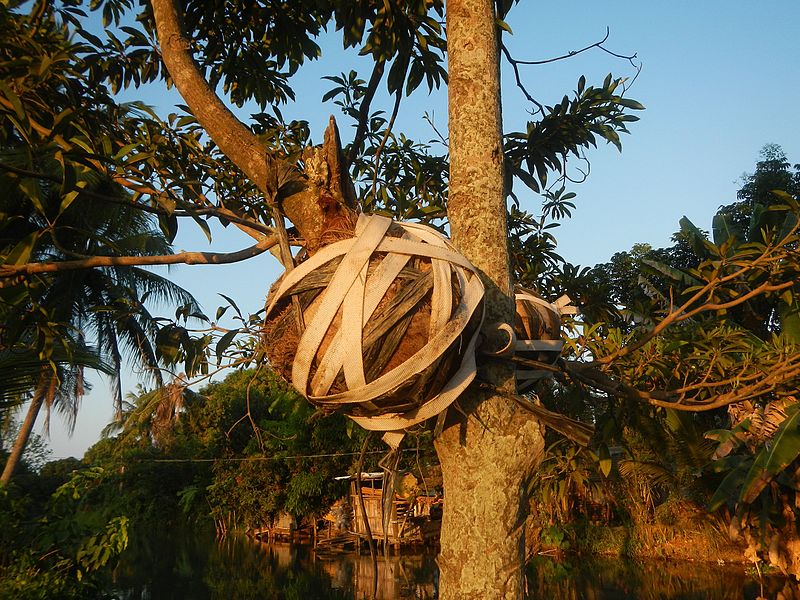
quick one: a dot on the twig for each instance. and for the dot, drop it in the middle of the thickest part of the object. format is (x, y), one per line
(395, 110)
(572, 53)
(515, 63)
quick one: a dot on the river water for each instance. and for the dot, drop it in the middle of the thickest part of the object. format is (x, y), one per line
(199, 567)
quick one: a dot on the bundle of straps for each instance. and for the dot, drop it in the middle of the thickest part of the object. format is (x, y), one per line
(563, 306)
(354, 292)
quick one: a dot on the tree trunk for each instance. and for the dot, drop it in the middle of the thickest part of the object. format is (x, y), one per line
(488, 458)
(23, 436)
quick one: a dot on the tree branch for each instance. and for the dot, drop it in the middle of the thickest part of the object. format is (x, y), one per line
(683, 399)
(188, 258)
(515, 63)
(386, 134)
(324, 195)
(686, 311)
(238, 143)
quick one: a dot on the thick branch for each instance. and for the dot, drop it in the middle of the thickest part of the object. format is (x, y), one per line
(188, 258)
(238, 143)
(309, 209)
(326, 209)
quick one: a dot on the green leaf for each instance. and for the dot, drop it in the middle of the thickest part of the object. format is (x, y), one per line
(728, 489)
(789, 223)
(632, 104)
(203, 225)
(670, 273)
(721, 229)
(604, 460)
(169, 226)
(224, 342)
(790, 317)
(233, 304)
(784, 449)
(31, 189)
(21, 254)
(527, 179)
(786, 197)
(504, 26)
(16, 103)
(68, 199)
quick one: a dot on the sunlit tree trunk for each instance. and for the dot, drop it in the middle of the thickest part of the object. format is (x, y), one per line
(488, 458)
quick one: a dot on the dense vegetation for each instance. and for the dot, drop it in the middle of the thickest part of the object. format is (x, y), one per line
(684, 359)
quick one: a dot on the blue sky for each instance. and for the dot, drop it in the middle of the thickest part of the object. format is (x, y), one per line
(719, 80)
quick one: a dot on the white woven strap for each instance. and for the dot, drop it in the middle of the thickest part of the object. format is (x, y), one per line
(356, 259)
(562, 306)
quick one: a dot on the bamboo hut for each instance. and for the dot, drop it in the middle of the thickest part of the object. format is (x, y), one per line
(409, 516)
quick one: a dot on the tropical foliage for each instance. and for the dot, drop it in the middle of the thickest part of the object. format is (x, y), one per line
(56, 550)
(60, 203)
(96, 189)
(709, 323)
(238, 453)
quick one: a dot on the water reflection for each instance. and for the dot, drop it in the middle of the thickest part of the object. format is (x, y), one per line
(203, 568)
(614, 579)
(237, 568)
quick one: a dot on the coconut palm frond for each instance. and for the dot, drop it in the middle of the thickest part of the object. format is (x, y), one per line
(652, 472)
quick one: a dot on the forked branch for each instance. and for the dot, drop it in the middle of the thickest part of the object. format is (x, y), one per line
(311, 201)
(700, 301)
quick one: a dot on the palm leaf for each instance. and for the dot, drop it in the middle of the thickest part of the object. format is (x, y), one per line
(722, 229)
(770, 461)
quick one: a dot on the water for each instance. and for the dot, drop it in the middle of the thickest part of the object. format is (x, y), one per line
(198, 567)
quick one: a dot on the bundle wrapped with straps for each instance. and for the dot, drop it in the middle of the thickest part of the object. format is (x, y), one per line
(537, 329)
(389, 324)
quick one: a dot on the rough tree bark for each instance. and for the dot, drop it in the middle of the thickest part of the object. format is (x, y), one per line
(487, 458)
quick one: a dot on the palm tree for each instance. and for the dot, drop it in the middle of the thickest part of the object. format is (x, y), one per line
(58, 383)
(150, 415)
(50, 319)
(57, 202)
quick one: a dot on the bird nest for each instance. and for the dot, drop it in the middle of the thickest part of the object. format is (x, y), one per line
(389, 324)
